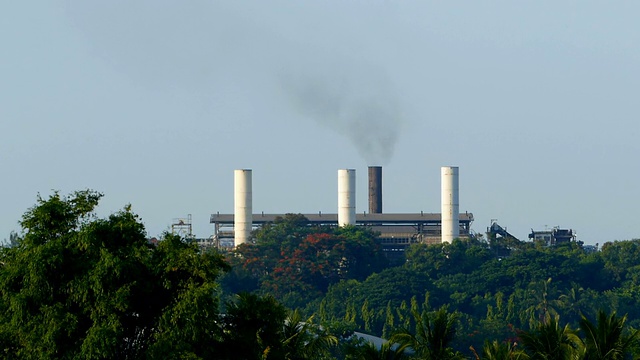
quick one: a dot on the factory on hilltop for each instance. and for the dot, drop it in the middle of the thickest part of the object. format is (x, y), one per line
(397, 230)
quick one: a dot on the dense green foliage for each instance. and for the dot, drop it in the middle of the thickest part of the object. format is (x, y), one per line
(297, 263)
(261, 328)
(606, 340)
(431, 337)
(550, 341)
(493, 296)
(496, 295)
(73, 285)
(76, 286)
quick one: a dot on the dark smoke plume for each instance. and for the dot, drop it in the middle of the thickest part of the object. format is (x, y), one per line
(359, 105)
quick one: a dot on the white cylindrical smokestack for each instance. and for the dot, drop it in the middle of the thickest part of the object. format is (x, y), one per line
(346, 197)
(243, 210)
(450, 223)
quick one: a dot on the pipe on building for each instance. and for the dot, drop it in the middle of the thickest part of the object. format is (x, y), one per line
(450, 221)
(346, 197)
(375, 189)
(243, 209)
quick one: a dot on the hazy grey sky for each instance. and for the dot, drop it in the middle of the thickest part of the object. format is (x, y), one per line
(155, 103)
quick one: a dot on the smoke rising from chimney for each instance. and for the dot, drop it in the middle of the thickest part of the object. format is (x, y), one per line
(331, 71)
(358, 104)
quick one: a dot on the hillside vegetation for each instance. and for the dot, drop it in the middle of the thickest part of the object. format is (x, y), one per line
(76, 286)
(339, 275)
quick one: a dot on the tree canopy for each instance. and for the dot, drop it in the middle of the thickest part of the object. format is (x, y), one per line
(79, 286)
(297, 262)
(74, 285)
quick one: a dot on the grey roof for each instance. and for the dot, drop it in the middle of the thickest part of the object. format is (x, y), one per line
(364, 218)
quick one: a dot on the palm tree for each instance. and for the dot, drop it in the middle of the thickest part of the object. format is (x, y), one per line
(606, 341)
(369, 351)
(549, 341)
(502, 351)
(541, 307)
(571, 303)
(433, 336)
(305, 340)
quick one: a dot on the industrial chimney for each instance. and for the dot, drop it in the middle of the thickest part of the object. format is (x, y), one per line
(243, 215)
(450, 222)
(346, 197)
(375, 189)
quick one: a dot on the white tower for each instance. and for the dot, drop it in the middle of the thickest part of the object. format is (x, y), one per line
(243, 210)
(450, 222)
(346, 197)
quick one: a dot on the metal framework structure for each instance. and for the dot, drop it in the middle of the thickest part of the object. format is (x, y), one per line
(182, 227)
(397, 231)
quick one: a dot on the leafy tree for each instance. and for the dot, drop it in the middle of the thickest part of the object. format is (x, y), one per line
(253, 327)
(619, 257)
(297, 262)
(594, 275)
(361, 255)
(78, 286)
(383, 293)
(258, 327)
(461, 256)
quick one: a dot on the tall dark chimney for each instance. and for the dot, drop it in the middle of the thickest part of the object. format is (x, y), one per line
(375, 189)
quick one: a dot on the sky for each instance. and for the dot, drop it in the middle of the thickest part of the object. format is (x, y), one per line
(155, 103)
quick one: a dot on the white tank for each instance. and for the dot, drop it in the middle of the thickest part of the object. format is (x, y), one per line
(346, 197)
(450, 223)
(243, 210)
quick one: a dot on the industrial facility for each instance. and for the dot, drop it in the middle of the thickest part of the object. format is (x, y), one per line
(397, 230)
(502, 242)
(552, 237)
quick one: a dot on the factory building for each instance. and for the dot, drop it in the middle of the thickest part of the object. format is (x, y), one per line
(552, 237)
(397, 230)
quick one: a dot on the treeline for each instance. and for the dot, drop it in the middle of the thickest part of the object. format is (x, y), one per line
(339, 275)
(76, 286)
